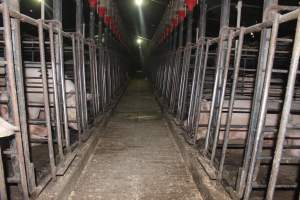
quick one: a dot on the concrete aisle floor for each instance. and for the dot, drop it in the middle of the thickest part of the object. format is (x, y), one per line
(137, 158)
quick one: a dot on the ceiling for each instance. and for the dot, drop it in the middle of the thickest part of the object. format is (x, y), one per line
(141, 21)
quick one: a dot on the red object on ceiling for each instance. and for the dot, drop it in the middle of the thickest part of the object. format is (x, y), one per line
(93, 3)
(174, 23)
(181, 15)
(101, 11)
(107, 20)
(190, 4)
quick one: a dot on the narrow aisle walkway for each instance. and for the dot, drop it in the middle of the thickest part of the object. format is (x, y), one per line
(137, 157)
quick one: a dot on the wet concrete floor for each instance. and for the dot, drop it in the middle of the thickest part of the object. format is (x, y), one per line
(137, 158)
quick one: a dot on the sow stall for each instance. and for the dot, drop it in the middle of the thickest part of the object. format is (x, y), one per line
(236, 100)
(54, 85)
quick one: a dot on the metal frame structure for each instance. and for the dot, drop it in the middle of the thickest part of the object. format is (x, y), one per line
(241, 100)
(98, 74)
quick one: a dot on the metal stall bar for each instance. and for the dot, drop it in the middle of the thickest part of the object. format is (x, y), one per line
(46, 99)
(181, 107)
(263, 109)
(80, 83)
(92, 81)
(96, 79)
(13, 99)
(78, 91)
(195, 85)
(83, 74)
(218, 68)
(3, 193)
(221, 92)
(63, 87)
(16, 45)
(201, 85)
(231, 101)
(55, 86)
(285, 113)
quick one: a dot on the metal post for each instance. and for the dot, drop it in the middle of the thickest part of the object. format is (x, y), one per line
(46, 98)
(13, 96)
(78, 90)
(79, 16)
(257, 96)
(42, 9)
(174, 95)
(225, 14)
(214, 95)
(3, 192)
(202, 19)
(18, 64)
(92, 23)
(219, 104)
(57, 10)
(185, 69)
(55, 86)
(231, 102)
(263, 108)
(61, 71)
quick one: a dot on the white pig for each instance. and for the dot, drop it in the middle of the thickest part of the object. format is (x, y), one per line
(239, 134)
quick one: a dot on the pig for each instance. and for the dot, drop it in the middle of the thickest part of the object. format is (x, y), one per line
(33, 78)
(36, 131)
(6, 129)
(242, 118)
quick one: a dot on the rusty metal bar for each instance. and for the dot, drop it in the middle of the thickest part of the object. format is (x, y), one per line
(3, 192)
(46, 99)
(55, 86)
(14, 100)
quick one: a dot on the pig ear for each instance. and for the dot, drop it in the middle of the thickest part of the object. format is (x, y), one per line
(3, 110)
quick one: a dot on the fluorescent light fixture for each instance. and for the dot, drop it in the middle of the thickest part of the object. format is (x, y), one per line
(139, 2)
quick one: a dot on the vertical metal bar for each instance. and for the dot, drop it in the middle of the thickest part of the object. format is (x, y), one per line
(19, 75)
(225, 14)
(3, 192)
(92, 86)
(97, 77)
(285, 113)
(62, 77)
(231, 101)
(202, 19)
(218, 66)
(77, 91)
(79, 16)
(196, 76)
(198, 111)
(55, 87)
(263, 111)
(92, 23)
(82, 48)
(57, 10)
(222, 95)
(255, 108)
(80, 84)
(46, 98)
(194, 112)
(13, 98)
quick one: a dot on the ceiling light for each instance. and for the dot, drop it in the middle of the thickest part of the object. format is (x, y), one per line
(138, 2)
(139, 41)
